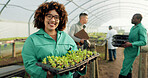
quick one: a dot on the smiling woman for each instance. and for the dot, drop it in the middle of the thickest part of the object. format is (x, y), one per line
(50, 18)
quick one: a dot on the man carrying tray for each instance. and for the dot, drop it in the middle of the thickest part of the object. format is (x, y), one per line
(78, 28)
(137, 37)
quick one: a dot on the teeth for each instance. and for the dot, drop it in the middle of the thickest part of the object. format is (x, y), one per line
(51, 24)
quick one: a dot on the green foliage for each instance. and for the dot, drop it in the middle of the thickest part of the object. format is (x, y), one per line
(70, 59)
(13, 38)
(102, 38)
(96, 35)
(121, 31)
(102, 55)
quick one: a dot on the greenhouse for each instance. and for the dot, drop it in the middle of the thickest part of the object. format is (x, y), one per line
(17, 20)
(17, 16)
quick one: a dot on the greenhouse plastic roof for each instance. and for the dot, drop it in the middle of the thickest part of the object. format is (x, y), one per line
(99, 11)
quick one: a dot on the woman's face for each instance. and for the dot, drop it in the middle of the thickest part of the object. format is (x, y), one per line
(51, 20)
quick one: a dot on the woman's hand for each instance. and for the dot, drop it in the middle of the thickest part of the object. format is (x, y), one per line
(49, 74)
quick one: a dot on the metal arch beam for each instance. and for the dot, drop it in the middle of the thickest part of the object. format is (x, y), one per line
(114, 16)
(24, 7)
(101, 23)
(78, 7)
(114, 12)
(109, 9)
(119, 8)
(88, 8)
(99, 12)
(90, 24)
(94, 23)
(18, 6)
(107, 18)
(30, 20)
(97, 20)
(108, 4)
(108, 12)
(116, 3)
(99, 17)
(67, 3)
(4, 6)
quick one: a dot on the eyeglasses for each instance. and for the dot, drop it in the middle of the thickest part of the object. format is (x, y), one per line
(50, 16)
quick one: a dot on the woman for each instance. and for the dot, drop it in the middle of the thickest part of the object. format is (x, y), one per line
(51, 19)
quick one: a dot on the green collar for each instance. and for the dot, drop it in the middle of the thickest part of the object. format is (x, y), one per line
(42, 32)
(137, 25)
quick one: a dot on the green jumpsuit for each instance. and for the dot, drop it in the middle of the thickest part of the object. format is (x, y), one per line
(138, 37)
(39, 45)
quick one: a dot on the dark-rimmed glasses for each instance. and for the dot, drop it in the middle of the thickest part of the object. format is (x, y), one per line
(50, 16)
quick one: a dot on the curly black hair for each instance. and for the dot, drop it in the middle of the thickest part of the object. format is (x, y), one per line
(44, 8)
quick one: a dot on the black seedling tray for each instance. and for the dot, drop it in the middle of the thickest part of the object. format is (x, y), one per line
(55, 71)
(118, 40)
(124, 37)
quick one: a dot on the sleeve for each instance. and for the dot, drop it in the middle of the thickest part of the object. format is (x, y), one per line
(115, 32)
(75, 47)
(142, 38)
(72, 32)
(29, 59)
(108, 36)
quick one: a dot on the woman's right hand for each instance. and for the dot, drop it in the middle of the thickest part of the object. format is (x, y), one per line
(49, 74)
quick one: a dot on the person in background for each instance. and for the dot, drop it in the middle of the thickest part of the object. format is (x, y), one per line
(111, 48)
(137, 38)
(50, 18)
(83, 18)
